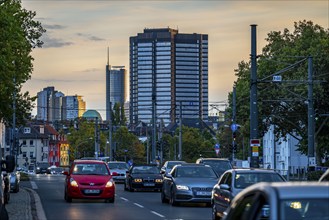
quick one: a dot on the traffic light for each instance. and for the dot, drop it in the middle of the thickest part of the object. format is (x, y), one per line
(234, 135)
(235, 148)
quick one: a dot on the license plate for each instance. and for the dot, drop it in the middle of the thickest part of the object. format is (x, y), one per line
(202, 193)
(91, 191)
(149, 184)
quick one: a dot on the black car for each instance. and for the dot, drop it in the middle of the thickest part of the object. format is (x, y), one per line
(220, 165)
(143, 177)
(42, 167)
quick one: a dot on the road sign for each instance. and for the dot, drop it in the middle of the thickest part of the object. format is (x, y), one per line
(255, 142)
(217, 146)
(234, 127)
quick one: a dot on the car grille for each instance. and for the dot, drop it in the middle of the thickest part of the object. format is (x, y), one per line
(207, 189)
(95, 184)
(148, 180)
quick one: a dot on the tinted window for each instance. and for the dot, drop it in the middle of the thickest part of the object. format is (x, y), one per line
(196, 172)
(220, 166)
(90, 169)
(243, 180)
(145, 169)
(118, 166)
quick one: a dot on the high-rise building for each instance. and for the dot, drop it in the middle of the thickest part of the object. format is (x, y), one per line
(73, 107)
(168, 69)
(115, 87)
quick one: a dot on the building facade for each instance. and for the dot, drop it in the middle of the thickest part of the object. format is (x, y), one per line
(73, 107)
(115, 87)
(168, 70)
(49, 104)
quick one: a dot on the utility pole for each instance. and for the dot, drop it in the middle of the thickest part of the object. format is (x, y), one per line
(180, 132)
(96, 137)
(254, 157)
(108, 74)
(311, 158)
(233, 123)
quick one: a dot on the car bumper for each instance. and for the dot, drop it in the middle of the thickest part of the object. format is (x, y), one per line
(145, 186)
(86, 193)
(189, 196)
(119, 179)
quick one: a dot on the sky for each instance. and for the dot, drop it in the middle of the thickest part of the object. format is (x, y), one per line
(74, 54)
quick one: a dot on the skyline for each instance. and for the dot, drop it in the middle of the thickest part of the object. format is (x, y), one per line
(80, 32)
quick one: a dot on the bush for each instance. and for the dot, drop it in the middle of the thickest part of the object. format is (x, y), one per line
(314, 175)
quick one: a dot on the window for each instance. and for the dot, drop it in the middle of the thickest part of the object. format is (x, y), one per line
(31, 154)
(27, 130)
(31, 142)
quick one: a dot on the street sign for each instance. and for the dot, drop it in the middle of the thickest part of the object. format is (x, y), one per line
(255, 142)
(217, 146)
(217, 151)
(277, 78)
(234, 127)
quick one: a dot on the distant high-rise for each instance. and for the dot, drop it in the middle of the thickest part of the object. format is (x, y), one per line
(73, 107)
(168, 68)
(115, 86)
(49, 104)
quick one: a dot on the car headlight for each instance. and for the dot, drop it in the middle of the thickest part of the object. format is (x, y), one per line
(109, 184)
(73, 183)
(158, 180)
(138, 180)
(182, 187)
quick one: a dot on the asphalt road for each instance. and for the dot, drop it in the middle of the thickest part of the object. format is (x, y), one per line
(127, 206)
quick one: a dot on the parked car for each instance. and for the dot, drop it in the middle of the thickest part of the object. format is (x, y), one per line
(6, 166)
(190, 183)
(234, 181)
(118, 170)
(89, 179)
(220, 165)
(143, 177)
(325, 176)
(168, 165)
(15, 178)
(284, 201)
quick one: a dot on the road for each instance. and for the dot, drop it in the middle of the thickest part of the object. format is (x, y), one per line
(127, 206)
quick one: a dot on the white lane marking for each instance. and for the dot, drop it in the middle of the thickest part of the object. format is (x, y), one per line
(158, 214)
(124, 199)
(34, 185)
(140, 206)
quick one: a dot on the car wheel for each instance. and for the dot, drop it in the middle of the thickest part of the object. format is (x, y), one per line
(172, 199)
(163, 198)
(67, 198)
(214, 213)
(110, 200)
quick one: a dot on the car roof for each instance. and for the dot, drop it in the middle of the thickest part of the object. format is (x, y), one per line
(192, 165)
(213, 159)
(252, 170)
(116, 162)
(89, 162)
(293, 190)
(140, 165)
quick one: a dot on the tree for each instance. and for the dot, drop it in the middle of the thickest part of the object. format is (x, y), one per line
(284, 104)
(18, 36)
(118, 115)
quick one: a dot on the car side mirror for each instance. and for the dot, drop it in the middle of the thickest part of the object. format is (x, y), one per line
(65, 173)
(10, 163)
(168, 175)
(224, 186)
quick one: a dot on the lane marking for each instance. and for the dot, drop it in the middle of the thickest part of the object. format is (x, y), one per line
(34, 185)
(124, 199)
(140, 206)
(158, 214)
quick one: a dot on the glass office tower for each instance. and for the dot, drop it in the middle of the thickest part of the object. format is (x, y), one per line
(169, 69)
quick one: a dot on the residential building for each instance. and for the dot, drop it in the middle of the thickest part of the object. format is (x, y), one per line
(73, 107)
(168, 69)
(282, 154)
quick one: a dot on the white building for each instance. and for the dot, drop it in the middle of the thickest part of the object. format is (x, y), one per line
(287, 157)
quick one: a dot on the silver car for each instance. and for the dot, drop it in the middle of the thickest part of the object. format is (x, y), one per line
(168, 165)
(191, 183)
(118, 170)
(234, 181)
(284, 201)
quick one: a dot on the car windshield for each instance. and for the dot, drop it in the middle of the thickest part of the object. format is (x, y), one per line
(195, 172)
(243, 180)
(310, 209)
(90, 169)
(121, 166)
(220, 166)
(145, 169)
(172, 164)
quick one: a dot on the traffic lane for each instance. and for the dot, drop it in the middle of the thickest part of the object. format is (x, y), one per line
(151, 202)
(51, 192)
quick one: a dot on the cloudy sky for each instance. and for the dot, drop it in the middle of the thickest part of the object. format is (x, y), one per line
(74, 54)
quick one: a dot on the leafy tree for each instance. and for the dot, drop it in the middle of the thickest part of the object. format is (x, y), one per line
(128, 146)
(18, 36)
(118, 115)
(82, 140)
(284, 104)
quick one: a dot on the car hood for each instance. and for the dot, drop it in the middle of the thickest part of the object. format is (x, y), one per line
(147, 175)
(196, 182)
(87, 179)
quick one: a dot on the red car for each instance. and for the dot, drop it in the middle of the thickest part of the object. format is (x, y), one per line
(89, 179)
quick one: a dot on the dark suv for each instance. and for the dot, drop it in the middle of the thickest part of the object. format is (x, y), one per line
(220, 165)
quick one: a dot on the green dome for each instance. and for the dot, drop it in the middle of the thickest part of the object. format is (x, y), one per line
(92, 114)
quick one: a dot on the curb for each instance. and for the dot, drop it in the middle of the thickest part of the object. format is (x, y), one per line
(36, 205)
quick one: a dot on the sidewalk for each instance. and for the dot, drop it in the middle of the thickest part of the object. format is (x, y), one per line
(25, 205)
